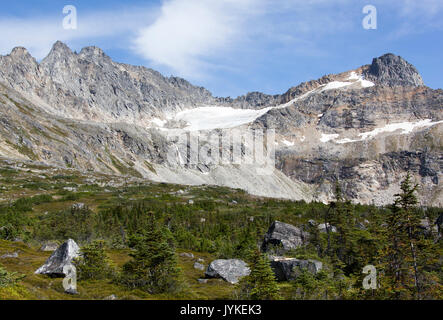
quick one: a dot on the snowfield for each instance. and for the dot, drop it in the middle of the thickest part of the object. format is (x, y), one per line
(209, 118)
(339, 84)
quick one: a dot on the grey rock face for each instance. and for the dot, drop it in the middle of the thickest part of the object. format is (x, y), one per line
(229, 270)
(42, 105)
(286, 269)
(284, 237)
(392, 70)
(61, 258)
(90, 86)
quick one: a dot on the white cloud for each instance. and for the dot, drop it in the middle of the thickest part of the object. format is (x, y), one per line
(191, 37)
(189, 33)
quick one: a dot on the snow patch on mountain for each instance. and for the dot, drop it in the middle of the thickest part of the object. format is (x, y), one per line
(328, 137)
(405, 127)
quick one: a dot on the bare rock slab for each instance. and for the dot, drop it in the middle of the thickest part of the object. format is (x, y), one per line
(229, 270)
(285, 236)
(63, 256)
(286, 269)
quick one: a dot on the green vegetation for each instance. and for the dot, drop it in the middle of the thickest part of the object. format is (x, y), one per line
(130, 235)
(261, 283)
(94, 264)
(9, 279)
(153, 267)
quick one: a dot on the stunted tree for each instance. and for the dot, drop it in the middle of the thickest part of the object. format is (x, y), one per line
(261, 283)
(154, 266)
(94, 263)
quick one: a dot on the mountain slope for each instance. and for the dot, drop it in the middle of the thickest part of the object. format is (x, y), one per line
(365, 127)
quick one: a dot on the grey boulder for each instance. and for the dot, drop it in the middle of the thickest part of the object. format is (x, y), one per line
(229, 270)
(286, 269)
(285, 236)
(199, 266)
(187, 255)
(61, 257)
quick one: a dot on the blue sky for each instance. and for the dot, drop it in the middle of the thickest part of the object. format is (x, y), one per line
(232, 47)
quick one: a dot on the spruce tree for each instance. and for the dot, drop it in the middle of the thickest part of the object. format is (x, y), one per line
(153, 267)
(408, 258)
(93, 262)
(261, 283)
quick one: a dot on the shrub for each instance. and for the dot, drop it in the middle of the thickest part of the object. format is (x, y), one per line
(9, 279)
(93, 263)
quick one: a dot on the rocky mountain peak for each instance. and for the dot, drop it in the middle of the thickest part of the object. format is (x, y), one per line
(19, 51)
(21, 55)
(93, 53)
(60, 48)
(392, 70)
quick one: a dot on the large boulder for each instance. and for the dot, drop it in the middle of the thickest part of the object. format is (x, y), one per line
(286, 269)
(63, 256)
(229, 270)
(285, 236)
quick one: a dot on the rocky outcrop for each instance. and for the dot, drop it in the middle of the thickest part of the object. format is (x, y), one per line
(62, 258)
(229, 270)
(286, 269)
(283, 237)
(90, 86)
(391, 70)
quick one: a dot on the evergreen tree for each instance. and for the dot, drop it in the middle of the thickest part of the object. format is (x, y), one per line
(153, 267)
(94, 263)
(408, 257)
(261, 283)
